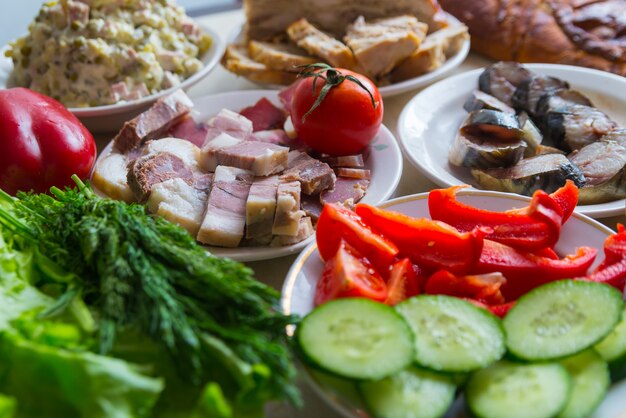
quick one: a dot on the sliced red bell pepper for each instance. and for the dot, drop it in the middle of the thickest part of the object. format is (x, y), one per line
(498, 310)
(615, 246)
(403, 282)
(348, 274)
(611, 274)
(502, 309)
(482, 287)
(525, 271)
(532, 228)
(422, 276)
(431, 244)
(612, 270)
(567, 199)
(336, 223)
(547, 252)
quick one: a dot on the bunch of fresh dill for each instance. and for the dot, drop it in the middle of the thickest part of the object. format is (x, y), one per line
(140, 272)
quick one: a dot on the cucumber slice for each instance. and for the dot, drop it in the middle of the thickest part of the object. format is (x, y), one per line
(356, 338)
(339, 387)
(516, 390)
(613, 349)
(452, 335)
(412, 393)
(561, 318)
(591, 380)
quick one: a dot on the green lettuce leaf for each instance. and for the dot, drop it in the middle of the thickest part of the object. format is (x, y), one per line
(44, 365)
(55, 382)
(7, 407)
(17, 273)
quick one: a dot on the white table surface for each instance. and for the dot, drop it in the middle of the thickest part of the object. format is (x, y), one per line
(273, 272)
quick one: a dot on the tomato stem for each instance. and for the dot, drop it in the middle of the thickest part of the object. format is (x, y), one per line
(333, 78)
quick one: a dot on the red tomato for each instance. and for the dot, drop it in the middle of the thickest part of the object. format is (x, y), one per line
(337, 223)
(403, 282)
(346, 120)
(41, 143)
(348, 274)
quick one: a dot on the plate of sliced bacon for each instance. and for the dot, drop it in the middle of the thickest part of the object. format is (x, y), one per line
(229, 169)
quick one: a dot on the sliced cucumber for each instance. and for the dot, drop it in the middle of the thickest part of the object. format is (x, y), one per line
(516, 390)
(412, 393)
(561, 318)
(339, 387)
(613, 349)
(452, 335)
(591, 380)
(356, 338)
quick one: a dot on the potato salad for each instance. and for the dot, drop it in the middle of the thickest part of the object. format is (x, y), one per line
(99, 52)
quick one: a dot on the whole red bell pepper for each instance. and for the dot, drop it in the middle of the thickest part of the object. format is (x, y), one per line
(525, 271)
(532, 228)
(612, 270)
(41, 143)
(430, 244)
(484, 288)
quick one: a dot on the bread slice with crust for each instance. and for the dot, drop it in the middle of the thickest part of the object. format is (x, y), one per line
(317, 43)
(266, 19)
(432, 53)
(453, 37)
(237, 60)
(380, 45)
(279, 56)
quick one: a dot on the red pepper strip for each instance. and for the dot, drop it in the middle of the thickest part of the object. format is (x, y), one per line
(611, 274)
(484, 287)
(567, 198)
(548, 253)
(337, 223)
(612, 270)
(403, 282)
(431, 244)
(615, 246)
(501, 310)
(530, 229)
(525, 271)
(422, 276)
(498, 310)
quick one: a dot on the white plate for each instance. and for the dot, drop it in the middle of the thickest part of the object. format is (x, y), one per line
(110, 118)
(299, 287)
(384, 162)
(429, 122)
(403, 86)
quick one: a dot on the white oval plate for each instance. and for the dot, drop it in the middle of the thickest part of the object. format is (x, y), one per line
(429, 122)
(403, 86)
(110, 118)
(384, 161)
(299, 287)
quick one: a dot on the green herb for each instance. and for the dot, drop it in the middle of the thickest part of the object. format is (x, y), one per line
(140, 272)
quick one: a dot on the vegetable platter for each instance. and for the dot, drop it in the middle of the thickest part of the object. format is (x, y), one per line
(351, 390)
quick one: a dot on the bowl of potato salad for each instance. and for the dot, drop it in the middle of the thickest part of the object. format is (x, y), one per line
(107, 60)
